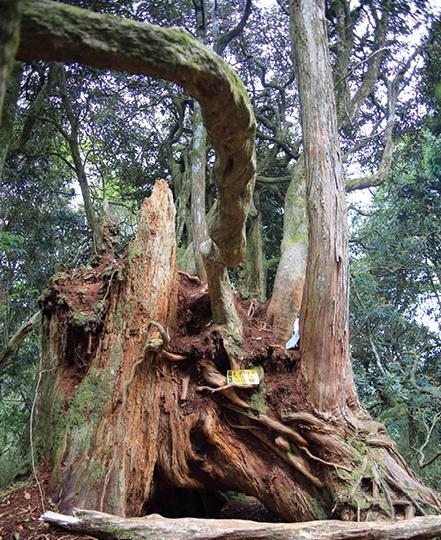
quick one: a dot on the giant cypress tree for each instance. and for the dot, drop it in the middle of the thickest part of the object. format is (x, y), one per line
(137, 427)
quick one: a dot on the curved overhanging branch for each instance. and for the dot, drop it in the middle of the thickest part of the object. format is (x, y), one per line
(58, 32)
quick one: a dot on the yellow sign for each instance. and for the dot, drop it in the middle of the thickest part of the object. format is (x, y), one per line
(243, 376)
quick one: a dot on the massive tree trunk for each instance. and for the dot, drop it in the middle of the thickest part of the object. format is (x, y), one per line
(128, 423)
(137, 420)
(324, 321)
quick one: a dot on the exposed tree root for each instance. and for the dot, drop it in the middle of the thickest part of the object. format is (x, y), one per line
(392, 491)
(214, 377)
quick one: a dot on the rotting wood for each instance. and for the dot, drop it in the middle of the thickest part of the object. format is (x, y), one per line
(107, 526)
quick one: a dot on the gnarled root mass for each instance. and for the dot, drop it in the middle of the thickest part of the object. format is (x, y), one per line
(137, 415)
(315, 467)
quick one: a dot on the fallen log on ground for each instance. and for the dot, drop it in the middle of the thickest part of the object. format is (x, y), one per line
(110, 527)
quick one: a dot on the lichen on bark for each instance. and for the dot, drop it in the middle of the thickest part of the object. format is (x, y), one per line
(286, 300)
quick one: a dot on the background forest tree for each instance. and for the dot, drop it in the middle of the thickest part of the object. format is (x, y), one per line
(69, 109)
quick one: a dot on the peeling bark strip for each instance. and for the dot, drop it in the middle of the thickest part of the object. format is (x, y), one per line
(155, 526)
(53, 31)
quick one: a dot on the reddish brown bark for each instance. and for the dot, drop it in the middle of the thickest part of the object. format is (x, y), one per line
(324, 322)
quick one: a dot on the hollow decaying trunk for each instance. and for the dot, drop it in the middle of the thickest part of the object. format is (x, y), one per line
(89, 417)
(113, 417)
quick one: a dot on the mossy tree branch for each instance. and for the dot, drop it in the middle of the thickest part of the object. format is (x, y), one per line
(53, 31)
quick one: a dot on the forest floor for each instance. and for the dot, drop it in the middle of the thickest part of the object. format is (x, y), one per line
(21, 503)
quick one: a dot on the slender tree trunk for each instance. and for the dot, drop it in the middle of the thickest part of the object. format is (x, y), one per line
(198, 166)
(199, 162)
(287, 295)
(104, 231)
(290, 278)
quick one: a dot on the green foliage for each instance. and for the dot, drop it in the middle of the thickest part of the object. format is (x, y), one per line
(395, 304)
(17, 380)
(11, 242)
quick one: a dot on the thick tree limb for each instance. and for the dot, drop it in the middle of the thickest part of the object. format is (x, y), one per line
(54, 31)
(107, 526)
(24, 330)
